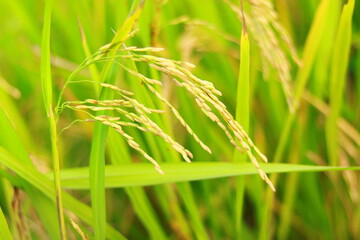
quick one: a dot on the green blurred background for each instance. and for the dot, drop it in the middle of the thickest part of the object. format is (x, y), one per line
(324, 129)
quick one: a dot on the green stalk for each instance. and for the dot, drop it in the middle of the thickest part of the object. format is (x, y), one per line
(96, 169)
(338, 77)
(48, 95)
(339, 66)
(291, 186)
(242, 116)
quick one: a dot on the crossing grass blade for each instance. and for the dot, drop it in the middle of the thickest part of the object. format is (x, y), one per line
(142, 174)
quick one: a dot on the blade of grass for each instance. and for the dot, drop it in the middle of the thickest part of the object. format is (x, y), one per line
(242, 116)
(142, 174)
(338, 77)
(292, 180)
(323, 59)
(48, 98)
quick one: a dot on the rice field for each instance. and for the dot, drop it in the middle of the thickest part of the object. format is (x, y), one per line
(164, 119)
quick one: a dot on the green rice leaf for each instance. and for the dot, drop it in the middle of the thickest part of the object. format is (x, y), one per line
(143, 174)
(47, 90)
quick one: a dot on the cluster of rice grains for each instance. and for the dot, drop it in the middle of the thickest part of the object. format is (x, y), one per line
(204, 92)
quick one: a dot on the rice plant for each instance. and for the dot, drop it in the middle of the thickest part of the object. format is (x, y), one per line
(174, 119)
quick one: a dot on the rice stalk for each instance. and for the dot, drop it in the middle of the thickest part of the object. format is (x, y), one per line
(47, 91)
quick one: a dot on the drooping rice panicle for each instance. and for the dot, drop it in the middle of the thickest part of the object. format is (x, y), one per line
(131, 142)
(148, 82)
(204, 93)
(117, 106)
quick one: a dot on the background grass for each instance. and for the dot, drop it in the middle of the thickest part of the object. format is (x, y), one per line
(323, 128)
